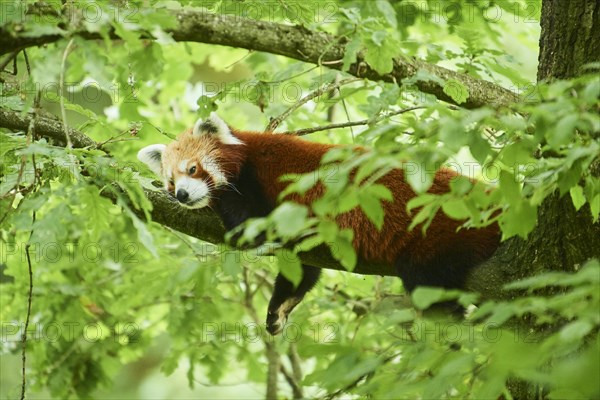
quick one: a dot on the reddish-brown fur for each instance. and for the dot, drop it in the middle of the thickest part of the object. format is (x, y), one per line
(274, 155)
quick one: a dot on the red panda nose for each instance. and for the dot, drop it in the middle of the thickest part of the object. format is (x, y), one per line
(182, 195)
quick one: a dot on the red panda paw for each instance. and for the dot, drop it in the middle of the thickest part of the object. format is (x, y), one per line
(277, 317)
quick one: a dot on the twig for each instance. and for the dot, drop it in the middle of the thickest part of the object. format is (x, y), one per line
(112, 139)
(274, 123)
(306, 131)
(270, 350)
(26, 327)
(366, 376)
(11, 56)
(293, 76)
(296, 389)
(27, 63)
(296, 370)
(61, 84)
(240, 60)
(161, 131)
(30, 138)
(333, 62)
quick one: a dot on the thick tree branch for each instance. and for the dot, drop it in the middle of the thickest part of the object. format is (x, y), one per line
(46, 127)
(204, 224)
(295, 42)
(487, 279)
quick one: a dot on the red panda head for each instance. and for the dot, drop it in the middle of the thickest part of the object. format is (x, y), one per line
(199, 162)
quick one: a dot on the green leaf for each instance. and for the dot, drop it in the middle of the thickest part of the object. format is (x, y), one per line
(290, 219)
(519, 219)
(424, 297)
(452, 134)
(380, 191)
(252, 229)
(424, 216)
(420, 201)
(380, 58)
(575, 331)
(562, 133)
(577, 197)
(518, 153)
(568, 178)
(348, 200)
(456, 90)
(144, 235)
(510, 188)
(378, 37)
(308, 243)
(461, 185)
(328, 230)
(343, 251)
(373, 209)
(351, 53)
(420, 179)
(231, 263)
(289, 265)
(456, 209)
(96, 211)
(388, 12)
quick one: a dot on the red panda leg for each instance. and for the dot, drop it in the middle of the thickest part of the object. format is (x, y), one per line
(285, 297)
(446, 272)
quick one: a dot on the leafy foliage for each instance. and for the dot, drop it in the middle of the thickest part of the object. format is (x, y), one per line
(117, 297)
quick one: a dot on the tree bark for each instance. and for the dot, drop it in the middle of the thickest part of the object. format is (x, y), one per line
(563, 238)
(570, 38)
(295, 42)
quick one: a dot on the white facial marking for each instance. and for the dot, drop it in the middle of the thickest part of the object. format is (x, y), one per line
(183, 166)
(212, 168)
(197, 190)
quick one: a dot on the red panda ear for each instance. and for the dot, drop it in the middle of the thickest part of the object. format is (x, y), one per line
(152, 157)
(217, 127)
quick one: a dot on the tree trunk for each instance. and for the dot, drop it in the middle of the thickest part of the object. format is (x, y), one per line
(569, 39)
(563, 238)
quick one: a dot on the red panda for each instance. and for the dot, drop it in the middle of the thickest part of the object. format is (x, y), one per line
(237, 173)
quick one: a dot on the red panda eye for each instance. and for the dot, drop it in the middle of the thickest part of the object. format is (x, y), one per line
(192, 170)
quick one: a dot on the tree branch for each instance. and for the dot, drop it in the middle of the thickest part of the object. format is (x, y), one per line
(275, 122)
(204, 224)
(46, 127)
(295, 42)
(306, 131)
